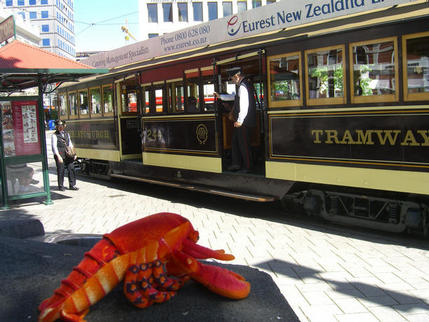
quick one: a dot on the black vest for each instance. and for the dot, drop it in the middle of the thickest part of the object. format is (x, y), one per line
(62, 142)
(250, 119)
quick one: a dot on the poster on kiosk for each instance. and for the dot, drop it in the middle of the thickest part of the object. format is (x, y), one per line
(21, 140)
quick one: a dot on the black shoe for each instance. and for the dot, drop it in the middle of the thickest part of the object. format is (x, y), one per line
(233, 168)
(74, 188)
(61, 189)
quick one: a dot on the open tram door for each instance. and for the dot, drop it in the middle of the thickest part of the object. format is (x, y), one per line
(252, 66)
(127, 100)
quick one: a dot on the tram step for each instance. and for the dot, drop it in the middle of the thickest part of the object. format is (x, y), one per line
(219, 192)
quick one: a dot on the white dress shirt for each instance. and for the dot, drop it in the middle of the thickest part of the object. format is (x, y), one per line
(244, 102)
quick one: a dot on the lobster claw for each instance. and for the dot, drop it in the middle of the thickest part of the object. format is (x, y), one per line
(222, 281)
(217, 279)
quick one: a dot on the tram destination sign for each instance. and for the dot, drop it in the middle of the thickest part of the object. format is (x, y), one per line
(272, 17)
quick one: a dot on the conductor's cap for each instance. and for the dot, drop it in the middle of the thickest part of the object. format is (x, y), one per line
(233, 71)
(60, 122)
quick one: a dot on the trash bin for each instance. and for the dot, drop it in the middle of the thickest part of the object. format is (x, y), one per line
(51, 124)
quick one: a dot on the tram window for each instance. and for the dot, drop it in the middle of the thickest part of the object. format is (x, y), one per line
(159, 100)
(325, 76)
(129, 102)
(176, 97)
(146, 100)
(95, 99)
(208, 95)
(83, 103)
(108, 100)
(62, 99)
(416, 66)
(374, 71)
(193, 95)
(285, 80)
(72, 101)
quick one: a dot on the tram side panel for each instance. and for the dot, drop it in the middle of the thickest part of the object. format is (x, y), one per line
(95, 140)
(182, 143)
(377, 150)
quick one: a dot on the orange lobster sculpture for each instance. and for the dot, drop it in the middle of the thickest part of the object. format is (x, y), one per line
(154, 255)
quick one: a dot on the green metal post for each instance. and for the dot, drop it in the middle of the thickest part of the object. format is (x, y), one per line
(45, 167)
(3, 170)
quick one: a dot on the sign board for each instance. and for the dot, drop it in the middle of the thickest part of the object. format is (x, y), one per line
(7, 29)
(20, 128)
(272, 17)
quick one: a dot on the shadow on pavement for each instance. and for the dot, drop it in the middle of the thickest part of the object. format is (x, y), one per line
(32, 271)
(366, 292)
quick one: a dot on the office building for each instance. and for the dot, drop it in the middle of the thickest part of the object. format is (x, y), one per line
(160, 17)
(54, 18)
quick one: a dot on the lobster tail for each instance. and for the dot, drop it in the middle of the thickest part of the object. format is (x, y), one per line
(72, 289)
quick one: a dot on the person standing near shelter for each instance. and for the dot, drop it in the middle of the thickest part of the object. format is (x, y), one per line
(60, 140)
(244, 117)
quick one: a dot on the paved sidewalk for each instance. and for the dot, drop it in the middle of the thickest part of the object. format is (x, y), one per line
(325, 275)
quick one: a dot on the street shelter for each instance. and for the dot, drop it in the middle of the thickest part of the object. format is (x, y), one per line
(23, 142)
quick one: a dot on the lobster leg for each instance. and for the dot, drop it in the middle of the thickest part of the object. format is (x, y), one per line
(144, 271)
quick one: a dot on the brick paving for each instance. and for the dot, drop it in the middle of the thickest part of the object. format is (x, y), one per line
(324, 275)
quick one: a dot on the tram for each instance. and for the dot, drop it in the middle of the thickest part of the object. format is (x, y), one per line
(342, 125)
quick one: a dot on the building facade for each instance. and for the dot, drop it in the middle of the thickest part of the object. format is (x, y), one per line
(55, 20)
(158, 17)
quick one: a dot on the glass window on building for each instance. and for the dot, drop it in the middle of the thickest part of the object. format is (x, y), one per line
(212, 8)
(153, 35)
(45, 14)
(227, 8)
(152, 11)
(183, 11)
(33, 15)
(32, 2)
(46, 42)
(241, 6)
(256, 3)
(198, 11)
(43, 1)
(9, 3)
(20, 2)
(167, 9)
(45, 28)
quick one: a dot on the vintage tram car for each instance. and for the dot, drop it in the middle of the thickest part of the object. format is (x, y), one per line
(342, 120)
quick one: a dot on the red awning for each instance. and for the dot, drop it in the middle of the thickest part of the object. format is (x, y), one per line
(25, 66)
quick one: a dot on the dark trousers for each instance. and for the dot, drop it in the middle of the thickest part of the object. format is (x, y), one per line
(61, 166)
(241, 149)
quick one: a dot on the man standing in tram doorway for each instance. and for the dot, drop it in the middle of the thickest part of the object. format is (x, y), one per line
(244, 118)
(61, 142)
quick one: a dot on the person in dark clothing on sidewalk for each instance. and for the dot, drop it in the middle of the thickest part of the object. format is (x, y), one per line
(59, 141)
(244, 117)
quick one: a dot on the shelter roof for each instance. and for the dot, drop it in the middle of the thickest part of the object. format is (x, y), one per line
(24, 66)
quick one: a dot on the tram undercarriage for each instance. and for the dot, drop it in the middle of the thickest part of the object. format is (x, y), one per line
(373, 212)
(389, 213)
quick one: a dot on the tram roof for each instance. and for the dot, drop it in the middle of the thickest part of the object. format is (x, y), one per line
(24, 66)
(397, 13)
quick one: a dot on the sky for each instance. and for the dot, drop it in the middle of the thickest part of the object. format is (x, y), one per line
(98, 23)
